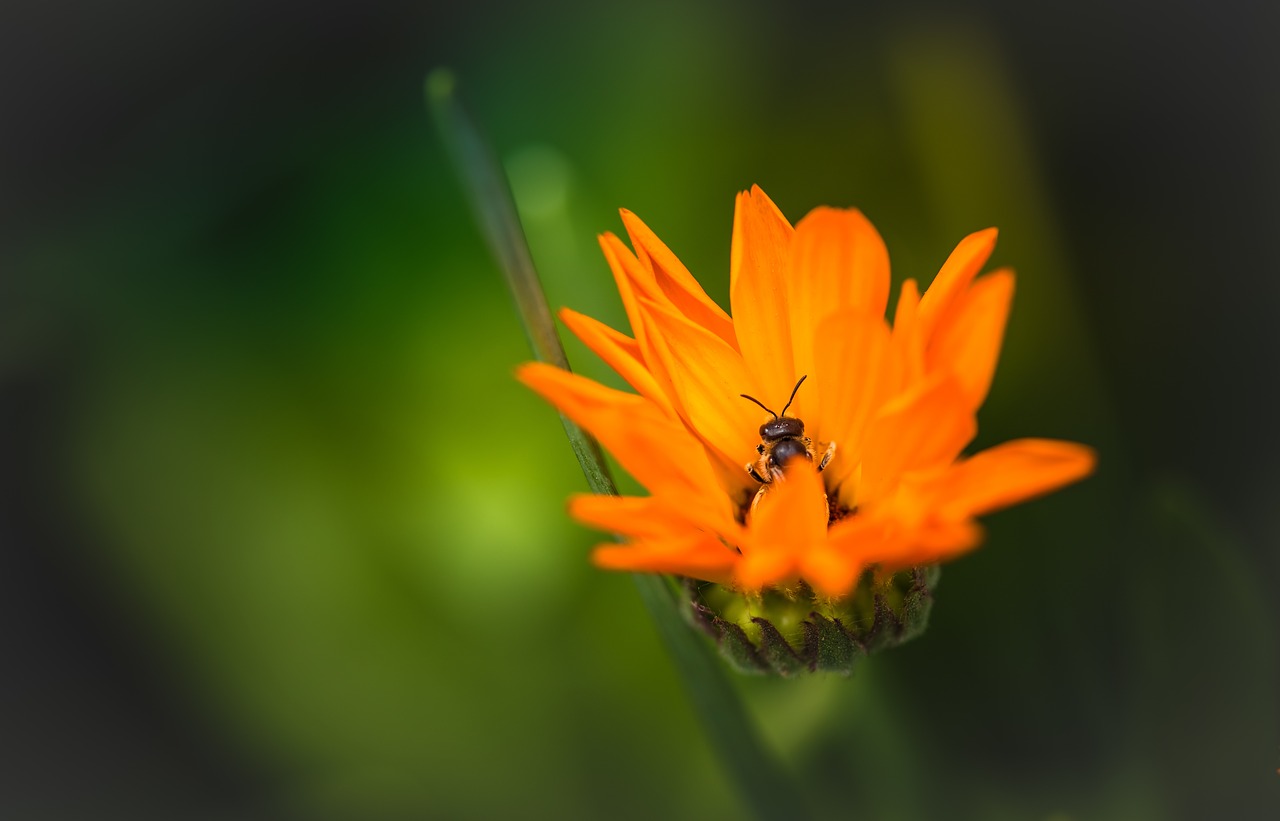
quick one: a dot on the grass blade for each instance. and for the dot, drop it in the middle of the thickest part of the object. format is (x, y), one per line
(490, 196)
(763, 785)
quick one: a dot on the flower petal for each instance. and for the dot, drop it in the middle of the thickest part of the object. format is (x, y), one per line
(650, 517)
(707, 377)
(926, 428)
(838, 263)
(758, 289)
(698, 555)
(790, 522)
(675, 281)
(929, 544)
(954, 277)
(634, 283)
(831, 572)
(632, 278)
(967, 343)
(1011, 473)
(908, 342)
(654, 448)
(861, 541)
(853, 374)
(620, 352)
(893, 545)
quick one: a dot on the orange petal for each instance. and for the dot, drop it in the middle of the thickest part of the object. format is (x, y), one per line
(954, 277)
(649, 444)
(838, 263)
(640, 517)
(908, 307)
(707, 377)
(892, 545)
(758, 289)
(908, 343)
(650, 517)
(766, 568)
(852, 376)
(926, 428)
(1011, 473)
(930, 544)
(620, 352)
(632, 278)
(790, 522)
(968, 342)
(699, 556)
(635, 282)
(831, 572)
(675, 281)
(864, 539)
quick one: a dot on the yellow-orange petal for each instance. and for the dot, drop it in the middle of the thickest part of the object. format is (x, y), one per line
(838, 264)
(758, 263)
(675, 281)
(1011, 473)
(853, 376)
(954, 277)
(620, 352)
(654, 448)
(926, 428)
(707, 377)
(788, 523)
(967, 343)
(698, 555)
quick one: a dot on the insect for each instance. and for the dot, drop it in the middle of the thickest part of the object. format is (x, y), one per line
(781, 440)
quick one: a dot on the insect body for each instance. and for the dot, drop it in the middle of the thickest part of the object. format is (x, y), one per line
(781, 440)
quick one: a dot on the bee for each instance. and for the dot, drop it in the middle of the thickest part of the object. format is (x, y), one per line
(781, 440)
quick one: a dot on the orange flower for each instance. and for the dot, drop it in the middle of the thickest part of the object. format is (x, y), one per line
(898, 403)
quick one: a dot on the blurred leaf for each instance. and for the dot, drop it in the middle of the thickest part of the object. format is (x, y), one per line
(1205, 671)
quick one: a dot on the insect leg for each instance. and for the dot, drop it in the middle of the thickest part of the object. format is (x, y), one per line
(826, 457)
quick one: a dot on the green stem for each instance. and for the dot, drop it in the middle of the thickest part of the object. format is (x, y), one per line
(764, 785)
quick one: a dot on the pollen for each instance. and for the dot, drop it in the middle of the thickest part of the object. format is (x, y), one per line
(836, 511)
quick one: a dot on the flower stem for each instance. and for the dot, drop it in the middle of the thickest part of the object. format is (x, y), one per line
(763, 784)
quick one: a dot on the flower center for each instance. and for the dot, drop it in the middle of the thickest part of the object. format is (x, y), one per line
(837, 511)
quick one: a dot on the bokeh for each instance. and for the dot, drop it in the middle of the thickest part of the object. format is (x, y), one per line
(282, 538)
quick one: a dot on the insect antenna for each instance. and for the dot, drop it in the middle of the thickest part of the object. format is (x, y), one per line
(793, 396)
(758, 402)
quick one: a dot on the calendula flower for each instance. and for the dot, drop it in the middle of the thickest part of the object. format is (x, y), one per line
(864, 469)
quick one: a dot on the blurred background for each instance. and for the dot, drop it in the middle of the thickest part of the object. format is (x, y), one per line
(282, 538)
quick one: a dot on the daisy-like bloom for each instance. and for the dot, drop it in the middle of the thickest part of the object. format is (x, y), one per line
(897, 401)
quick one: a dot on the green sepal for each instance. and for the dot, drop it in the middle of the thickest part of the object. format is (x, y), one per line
(918, 604)
(837, 651)
(778, 653)
(791, 632)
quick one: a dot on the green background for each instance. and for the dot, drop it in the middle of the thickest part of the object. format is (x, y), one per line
(284, 539)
